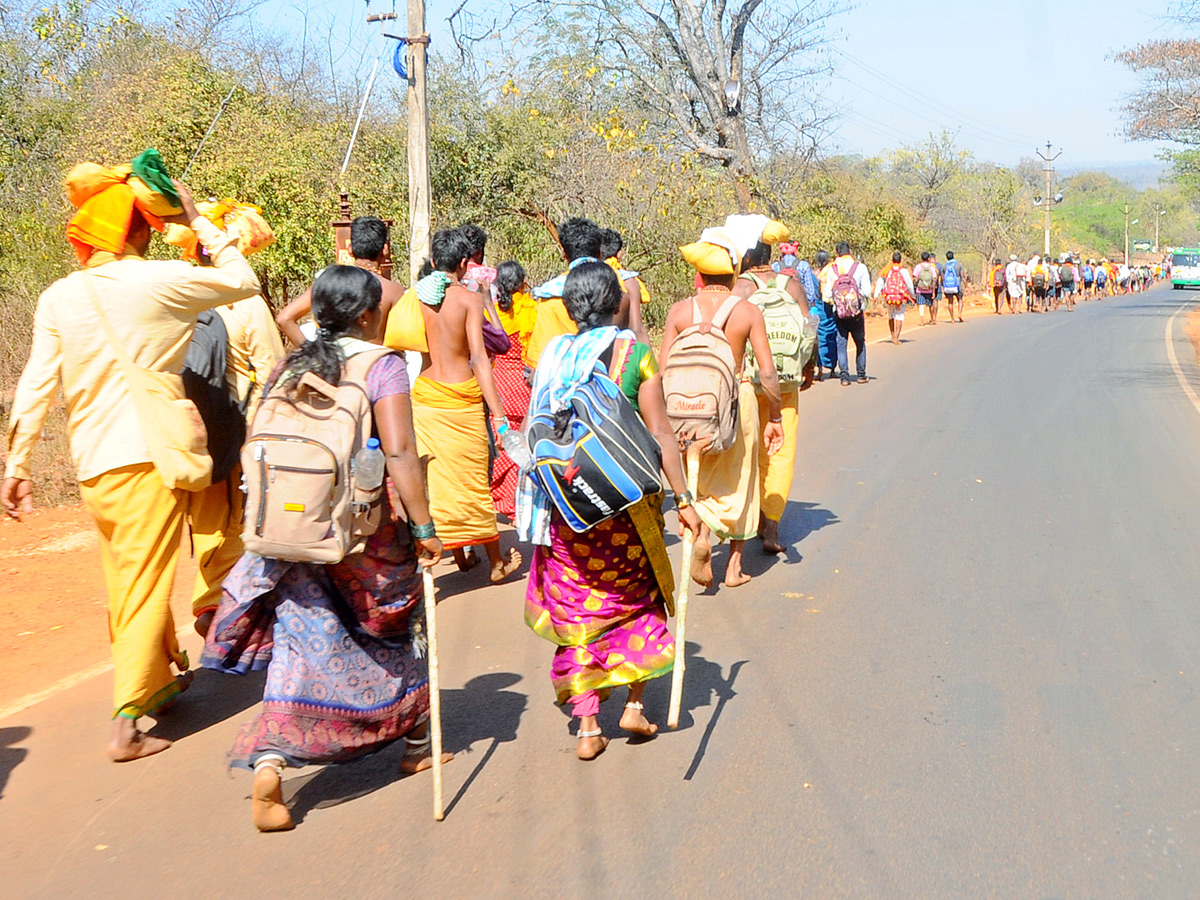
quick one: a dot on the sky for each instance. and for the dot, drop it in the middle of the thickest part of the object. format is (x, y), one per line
(908, 68)
(1005, 76)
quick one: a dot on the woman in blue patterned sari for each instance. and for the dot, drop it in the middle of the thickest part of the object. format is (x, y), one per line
(337, 641)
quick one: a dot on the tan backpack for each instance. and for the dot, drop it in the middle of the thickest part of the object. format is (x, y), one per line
(302, 503)
(700, 381)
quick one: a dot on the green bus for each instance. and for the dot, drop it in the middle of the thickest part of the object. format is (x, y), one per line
(1185, 268)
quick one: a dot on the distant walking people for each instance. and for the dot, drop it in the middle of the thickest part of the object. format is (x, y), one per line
(925, 278)
(953, 287)
(896, 287)
(849, 284)
(827, 328)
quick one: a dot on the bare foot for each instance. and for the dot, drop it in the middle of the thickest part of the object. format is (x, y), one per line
(591, 747)
(420, 760)
(702, 572)
(502, 569)
(736, 579)
(267, 807)
(465, 558)
(634, 720)
(770, 538)
(203, 622)
(128, 743)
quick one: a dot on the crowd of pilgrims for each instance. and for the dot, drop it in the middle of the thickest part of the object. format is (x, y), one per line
(342, 642)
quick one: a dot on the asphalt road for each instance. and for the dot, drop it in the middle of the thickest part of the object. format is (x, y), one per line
(974, 676)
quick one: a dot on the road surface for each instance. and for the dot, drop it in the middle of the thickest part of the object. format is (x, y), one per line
(975, 675)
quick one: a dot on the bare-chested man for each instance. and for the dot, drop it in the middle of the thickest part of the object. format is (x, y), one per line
(448, 400)
(368, 238)
(775, 471)
(727, 500)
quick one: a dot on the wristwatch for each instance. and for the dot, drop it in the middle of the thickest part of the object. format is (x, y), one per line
(684, 500)
(776, 420)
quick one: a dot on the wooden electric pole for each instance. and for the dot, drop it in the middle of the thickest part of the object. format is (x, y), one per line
(419, 187)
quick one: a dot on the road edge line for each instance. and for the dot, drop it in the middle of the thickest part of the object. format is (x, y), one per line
(1174, 359)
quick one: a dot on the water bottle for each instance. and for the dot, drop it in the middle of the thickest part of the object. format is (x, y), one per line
(368, 466)
(516, 447)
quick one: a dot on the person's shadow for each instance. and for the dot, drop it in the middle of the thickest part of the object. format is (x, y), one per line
(11, 757)
(212, 698)
(703, 681)
(799, 520)
(481, 711)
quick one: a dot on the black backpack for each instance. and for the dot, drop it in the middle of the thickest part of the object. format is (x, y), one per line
(596, 457)
(204, 384)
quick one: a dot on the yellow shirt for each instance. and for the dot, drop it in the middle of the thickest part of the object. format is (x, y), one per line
(153, 305)
(552, 320)
(254, 348)
(519, 320)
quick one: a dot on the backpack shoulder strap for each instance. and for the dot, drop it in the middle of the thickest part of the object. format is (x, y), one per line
(697, 316)
(781, 281)
(725, 311)
(758, 283)
(358, 365)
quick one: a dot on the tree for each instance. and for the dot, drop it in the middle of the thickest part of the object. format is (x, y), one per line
(725, 79)
(925, 173)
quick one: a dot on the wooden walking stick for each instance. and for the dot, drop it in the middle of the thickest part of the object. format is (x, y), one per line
(681, 600)
(435, 699)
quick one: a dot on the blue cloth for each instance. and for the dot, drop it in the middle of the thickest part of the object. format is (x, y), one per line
(554, 287)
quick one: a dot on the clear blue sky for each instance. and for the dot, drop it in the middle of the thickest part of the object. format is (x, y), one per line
(1006, 76)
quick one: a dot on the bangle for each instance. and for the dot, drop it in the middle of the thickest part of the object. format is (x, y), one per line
(684, 500)
(422, 532)
(776, 420)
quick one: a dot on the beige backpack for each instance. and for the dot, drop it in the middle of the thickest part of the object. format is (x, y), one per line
(302, 503)
(700, 381)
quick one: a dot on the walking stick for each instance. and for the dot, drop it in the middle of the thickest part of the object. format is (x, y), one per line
(685, 577)
(435, 699)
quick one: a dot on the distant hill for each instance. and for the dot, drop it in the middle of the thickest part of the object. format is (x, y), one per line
(1139, 176)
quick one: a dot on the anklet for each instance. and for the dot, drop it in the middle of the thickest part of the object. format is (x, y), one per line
(270, 761)
(634, 704)
(590, 734)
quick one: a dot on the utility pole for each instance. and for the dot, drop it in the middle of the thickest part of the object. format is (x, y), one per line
(1159, 212)
(1127, 224)
(1048, 201)
(419, 187)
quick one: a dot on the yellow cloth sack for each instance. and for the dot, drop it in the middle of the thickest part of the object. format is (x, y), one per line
(405, 326)
(708, 259)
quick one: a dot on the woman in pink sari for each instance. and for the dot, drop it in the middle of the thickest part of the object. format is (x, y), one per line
(602, 596)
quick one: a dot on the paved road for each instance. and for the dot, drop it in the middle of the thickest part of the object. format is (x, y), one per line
(975, 676)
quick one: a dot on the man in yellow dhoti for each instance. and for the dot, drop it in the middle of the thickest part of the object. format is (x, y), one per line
(448, 409)
(215, 513)
(727, 499)
(152, 307)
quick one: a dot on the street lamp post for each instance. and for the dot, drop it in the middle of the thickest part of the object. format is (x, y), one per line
(1047, 202)
(1158, 218)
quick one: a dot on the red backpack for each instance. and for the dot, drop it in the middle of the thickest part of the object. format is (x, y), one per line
(847, 301)
(895, 288)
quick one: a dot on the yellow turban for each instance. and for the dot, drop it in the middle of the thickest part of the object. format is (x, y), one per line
(105, 199)
(716, 253)
(775, 233)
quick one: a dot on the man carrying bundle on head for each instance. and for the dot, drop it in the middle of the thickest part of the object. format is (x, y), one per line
(232, 353)
(109, 334)
(704, 349)
(582, 240)
(448, 408)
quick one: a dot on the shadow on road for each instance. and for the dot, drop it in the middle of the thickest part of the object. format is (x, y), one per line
(703, 681)
(10, 756)
(799, 521)
(212, 698)
(481, 711)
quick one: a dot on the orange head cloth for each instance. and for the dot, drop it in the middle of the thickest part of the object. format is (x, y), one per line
(105, 203)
